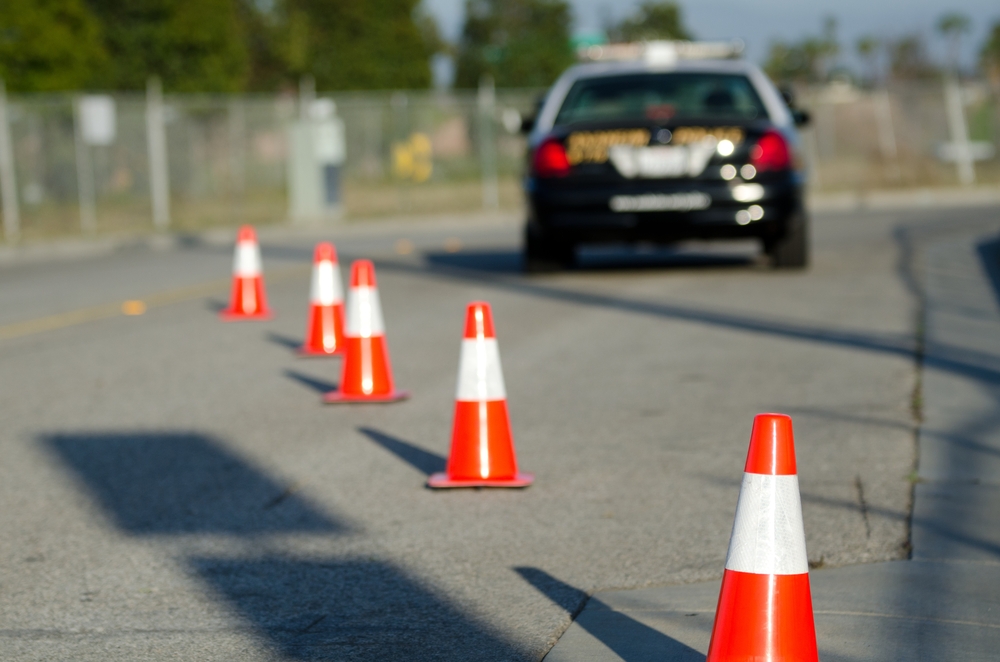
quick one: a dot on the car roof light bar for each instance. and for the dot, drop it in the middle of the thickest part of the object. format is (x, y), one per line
(662, 52)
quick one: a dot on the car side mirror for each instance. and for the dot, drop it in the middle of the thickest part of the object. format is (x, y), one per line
(801, 117)
(527, 124)
(787, 95)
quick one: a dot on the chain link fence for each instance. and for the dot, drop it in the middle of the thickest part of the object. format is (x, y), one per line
(903, 136)
(227, 158)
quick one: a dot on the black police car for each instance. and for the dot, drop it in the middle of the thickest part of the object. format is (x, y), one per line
(664, 141)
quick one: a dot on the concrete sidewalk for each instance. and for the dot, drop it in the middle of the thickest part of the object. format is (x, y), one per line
(942, 604)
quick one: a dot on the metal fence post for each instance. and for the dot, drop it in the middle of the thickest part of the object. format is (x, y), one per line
(307, 94)
(84, 174)
(487, 99)
(8, 182)
(959, 131)
(811, 144)
(886, 132)
(400, 104)
(237, 155)
(156, 140)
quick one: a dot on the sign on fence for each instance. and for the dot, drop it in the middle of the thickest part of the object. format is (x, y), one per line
(978, 150)
(97, 119)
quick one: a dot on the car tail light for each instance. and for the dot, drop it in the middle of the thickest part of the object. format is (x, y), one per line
(770, 153)
(550, 160)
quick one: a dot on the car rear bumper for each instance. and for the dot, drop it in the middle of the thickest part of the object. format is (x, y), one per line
(662, 212)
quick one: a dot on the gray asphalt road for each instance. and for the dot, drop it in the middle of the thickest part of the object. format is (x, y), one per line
(172, 488)
(943, 602)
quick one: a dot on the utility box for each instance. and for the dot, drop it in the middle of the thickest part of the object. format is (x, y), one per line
(315, 164)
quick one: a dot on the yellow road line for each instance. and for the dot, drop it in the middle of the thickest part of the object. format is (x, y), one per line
(117, 309)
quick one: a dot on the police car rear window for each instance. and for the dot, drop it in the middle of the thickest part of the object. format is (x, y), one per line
(661, 97)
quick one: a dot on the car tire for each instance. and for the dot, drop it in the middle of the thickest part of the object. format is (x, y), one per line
(791, 250)
(544, 252)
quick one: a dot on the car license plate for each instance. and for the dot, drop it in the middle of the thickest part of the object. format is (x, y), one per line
(660, 202)
(662, 161)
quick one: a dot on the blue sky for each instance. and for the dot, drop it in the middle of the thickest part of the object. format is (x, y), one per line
(758, 22)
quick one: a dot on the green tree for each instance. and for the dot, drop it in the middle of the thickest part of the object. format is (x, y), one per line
(908, 59)
(868, 49)
(192, 45)
(788, 62)
(48, 45)
(520, 43)
(989, 55)
(350, 45)
(267, 69)
(952, 26)
(809, 60)
(430, 33)
(804, 61)
(651, 20)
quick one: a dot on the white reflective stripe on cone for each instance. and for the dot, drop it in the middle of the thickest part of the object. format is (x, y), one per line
(364, 313)
(479, 375)
(246, 262)
(768, 537)
(325, 289)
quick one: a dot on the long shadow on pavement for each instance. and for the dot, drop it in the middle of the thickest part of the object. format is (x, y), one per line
(215, 305)
(498, 261)
(421, 460)
(628, 638)
(348, 610)
(284, 341)
(989, 258)
(509, 261)
(316, 384)
(970, 363)
(153, 483)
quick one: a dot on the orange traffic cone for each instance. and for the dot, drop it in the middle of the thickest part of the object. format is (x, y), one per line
(366, 375)
(765, 607)
(248, 301)
(325, 327)
(482, 447)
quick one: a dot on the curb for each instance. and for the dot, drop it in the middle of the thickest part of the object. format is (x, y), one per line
(890, 199)
(88, 247)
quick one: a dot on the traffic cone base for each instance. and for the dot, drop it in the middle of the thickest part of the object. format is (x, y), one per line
(229, 316)
(441, 480)
(491, 454)
(366, 375)
(304, 352)
(246, 294)
(321, 320)
(341, 398)
(784, 601)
